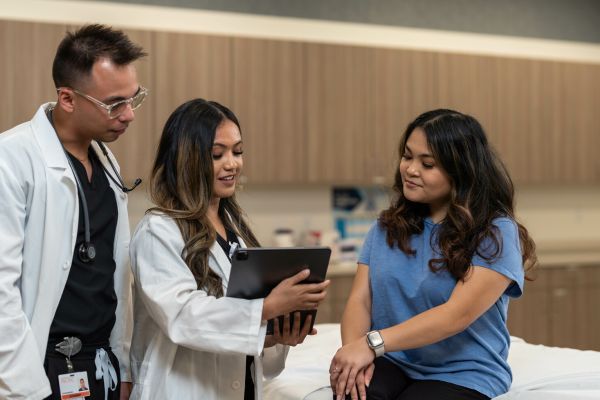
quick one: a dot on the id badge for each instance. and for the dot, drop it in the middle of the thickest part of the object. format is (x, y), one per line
(74, 385)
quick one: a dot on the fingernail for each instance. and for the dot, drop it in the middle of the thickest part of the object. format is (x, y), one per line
(367, 382)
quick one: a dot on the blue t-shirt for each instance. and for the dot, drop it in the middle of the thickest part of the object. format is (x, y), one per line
(403, 286)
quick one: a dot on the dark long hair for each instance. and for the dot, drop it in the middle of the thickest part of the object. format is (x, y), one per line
(481, 191)
(182, 185)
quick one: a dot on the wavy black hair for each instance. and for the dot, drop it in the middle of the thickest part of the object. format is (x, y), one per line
(482, 191)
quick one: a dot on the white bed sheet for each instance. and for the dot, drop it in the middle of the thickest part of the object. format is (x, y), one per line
(539, 372)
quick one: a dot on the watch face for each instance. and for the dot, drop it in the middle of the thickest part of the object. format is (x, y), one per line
(375, 339)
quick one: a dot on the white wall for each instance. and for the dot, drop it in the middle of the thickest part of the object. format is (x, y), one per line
(557, 217)
(261, 26)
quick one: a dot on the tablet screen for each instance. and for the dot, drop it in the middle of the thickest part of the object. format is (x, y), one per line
(256, 271)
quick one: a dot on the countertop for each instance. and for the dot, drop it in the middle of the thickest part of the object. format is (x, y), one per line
(570, 253)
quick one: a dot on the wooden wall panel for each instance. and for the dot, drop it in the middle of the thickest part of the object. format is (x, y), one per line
(564, 313)
(338, 113)
(529, 317)
(135, 149)
(513, 123)
(268, 82)
(26, 69)
(586, 303)
(391, 107)
(468, 84)
(332, 308)
(404, 85)
(559, 308)
(188, 66)
(581, 113)
(185, 67)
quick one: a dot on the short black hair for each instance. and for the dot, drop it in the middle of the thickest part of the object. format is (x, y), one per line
(79, 50)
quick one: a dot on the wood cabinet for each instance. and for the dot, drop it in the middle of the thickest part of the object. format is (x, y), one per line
(188, 66)
(404, 86)
(331, 309)
(135, 149)
(268, 82)
(560, 308)
(26, 69)
(184, 67)
(333, 114)
(339, 116)
(529, 316)
(544, 120)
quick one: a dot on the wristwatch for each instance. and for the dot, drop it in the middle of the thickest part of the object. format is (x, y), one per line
(375, 342)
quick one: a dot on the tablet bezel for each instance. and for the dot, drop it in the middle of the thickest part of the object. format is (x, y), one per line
(255, 271)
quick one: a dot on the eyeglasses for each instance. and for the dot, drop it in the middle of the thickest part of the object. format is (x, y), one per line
(114, 110)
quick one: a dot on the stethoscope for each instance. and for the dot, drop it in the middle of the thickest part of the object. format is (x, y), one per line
(87, 251)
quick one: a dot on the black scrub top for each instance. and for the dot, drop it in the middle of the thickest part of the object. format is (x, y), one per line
(226, 246)
(88, 303)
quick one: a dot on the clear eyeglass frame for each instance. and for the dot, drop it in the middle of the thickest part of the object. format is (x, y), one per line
(115, 109)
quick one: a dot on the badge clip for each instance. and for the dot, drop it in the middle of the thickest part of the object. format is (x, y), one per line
(69, 347)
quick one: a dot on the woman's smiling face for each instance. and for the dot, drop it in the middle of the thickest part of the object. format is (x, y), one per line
(423, 180)
(227, 159)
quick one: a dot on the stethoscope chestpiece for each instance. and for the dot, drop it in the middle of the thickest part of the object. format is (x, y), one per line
(86, 252)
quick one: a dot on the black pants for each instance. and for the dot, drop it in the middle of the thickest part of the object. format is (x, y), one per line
(389, 382)
(55, 365)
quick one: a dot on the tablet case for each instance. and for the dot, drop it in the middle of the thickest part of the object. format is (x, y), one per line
(255, 271)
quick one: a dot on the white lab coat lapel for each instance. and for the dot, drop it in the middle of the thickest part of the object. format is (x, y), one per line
(60, 202)
(222, 262)
(56, 162)
(223, 266)
(52, 151)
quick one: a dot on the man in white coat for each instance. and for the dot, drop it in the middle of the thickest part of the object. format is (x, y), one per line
(65, 281)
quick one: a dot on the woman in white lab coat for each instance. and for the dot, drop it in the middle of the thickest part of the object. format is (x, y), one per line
(189, 341)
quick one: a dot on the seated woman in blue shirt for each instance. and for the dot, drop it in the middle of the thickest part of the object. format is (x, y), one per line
(435, 273)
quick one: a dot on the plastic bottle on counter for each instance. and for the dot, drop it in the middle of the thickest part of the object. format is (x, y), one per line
(313, 238)
(348, 249)
(283, 237)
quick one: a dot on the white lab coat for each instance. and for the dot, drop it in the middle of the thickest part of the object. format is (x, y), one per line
(39, 215)
(188, 345)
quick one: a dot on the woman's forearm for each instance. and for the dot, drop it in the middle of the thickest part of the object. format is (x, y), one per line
(356, 319)
(429, 327)
(469, 300)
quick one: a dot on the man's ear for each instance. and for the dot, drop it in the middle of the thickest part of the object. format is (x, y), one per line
(66, 99)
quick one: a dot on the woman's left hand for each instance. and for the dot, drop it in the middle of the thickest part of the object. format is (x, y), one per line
(348, 361)
(291, 335)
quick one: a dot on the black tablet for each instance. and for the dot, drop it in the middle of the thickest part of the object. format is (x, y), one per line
(256, 271)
